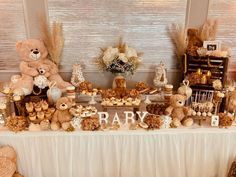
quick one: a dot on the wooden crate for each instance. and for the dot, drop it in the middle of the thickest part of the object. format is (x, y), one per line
(217, 65)
(20, 105)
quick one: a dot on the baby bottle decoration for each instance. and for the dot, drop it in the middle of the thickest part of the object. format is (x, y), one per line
(53, 93)
(185, 89)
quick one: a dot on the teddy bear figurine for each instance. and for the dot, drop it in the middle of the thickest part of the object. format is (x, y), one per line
(8, 165)
(120, 88)
(178, 112)
(34, 54)
(62, 115)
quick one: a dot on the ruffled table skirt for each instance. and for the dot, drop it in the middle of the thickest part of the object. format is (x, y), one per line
(198, 152)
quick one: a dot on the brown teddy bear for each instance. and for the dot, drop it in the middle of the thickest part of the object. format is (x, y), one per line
(178, 111)
(62, 116)
(33, 55)
(194, 42)
(120, 87)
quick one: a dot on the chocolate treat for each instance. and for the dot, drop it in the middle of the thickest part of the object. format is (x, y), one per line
(153, 121)
(157, 109)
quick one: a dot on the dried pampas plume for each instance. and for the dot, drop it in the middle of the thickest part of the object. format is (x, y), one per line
(208, 30)
(53, 39)
(178, 37)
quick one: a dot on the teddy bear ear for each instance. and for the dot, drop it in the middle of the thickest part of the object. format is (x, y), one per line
(18, 45)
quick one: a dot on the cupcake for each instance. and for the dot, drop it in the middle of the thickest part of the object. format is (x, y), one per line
(44, 105)
(29, 107)
(48, 114)
(32, 116)
(40, 115)
(38, 108)
(52, 110)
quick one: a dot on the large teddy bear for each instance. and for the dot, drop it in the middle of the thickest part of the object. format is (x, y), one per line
(33, 56)
(178, 111)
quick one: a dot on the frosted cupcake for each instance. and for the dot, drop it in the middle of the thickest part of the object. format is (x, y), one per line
(40, 115)
(32, 116)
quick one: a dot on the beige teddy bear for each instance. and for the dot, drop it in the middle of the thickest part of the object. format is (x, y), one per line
(62, 116)
(178, 111)
(33, 55)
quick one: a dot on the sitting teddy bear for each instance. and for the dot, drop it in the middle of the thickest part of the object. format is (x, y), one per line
(120, 87)
(62, 116)
(8, 165)
(33, 56)
(178, 111)
(41, 81)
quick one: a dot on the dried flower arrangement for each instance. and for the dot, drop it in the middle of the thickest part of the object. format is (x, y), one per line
(207, 32)
(53, 39)
(178, 35)
(179, 38)
(119, 59)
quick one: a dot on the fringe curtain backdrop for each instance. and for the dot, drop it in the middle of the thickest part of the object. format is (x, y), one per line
(225, 11)
(12, 29)
(89, 25)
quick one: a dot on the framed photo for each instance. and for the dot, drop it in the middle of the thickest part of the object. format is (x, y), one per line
(215, 121)
(212, 45)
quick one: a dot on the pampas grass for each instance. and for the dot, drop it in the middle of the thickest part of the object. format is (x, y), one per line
(178, 37)
(208, 30)
(53, 39)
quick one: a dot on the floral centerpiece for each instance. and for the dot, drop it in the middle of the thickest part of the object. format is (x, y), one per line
(120, 59)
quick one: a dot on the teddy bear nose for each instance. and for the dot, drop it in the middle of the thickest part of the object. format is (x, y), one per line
(63, 105)
(180, 102)
(35, 52)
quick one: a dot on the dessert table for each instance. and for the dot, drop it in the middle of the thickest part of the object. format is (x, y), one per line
(206, 152)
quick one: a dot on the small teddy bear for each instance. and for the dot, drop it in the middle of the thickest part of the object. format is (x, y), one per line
(41, 81)
(62, 116)
(178, 111)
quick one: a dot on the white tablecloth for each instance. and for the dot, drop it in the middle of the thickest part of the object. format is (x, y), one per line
(163, 153)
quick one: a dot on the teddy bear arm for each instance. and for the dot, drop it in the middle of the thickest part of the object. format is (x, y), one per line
(47, 74)
(55, 116)
(53, 66)
(187, 111)
(25, 69)
(169, 110)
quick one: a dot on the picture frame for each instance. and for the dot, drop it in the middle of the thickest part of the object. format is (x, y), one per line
(212, 45)
(215, 121)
